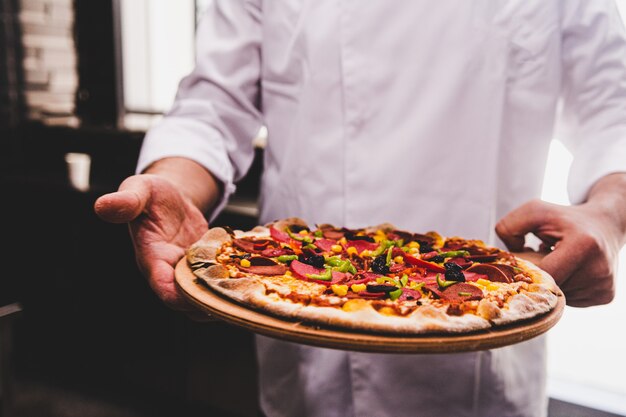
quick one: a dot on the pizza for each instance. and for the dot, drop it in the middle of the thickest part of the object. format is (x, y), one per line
(377, 279)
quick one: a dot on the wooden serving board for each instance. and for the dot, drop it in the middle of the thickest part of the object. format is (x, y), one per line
(299, 332)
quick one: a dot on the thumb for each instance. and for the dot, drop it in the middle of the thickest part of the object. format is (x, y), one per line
(528, 218)
(127, 203)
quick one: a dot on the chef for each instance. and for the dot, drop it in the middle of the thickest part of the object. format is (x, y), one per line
(429, 115)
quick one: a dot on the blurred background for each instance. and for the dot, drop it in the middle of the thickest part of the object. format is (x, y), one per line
(81, 334)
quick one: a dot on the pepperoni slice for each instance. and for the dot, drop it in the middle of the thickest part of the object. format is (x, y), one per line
(462, 262)
(409, 294)
(332, 234)
(325, 244)
(508, 270)
(363, 278)
(473, 276)
(361, 245)
(395, 268)
(274, 252)
(261, 261)
(461, 292)
(280, 236)
(302, 270)
(482, 258)
(433, 288)
(493, 273)
(254, 246)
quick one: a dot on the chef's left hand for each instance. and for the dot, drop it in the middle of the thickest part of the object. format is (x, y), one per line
(585, 241)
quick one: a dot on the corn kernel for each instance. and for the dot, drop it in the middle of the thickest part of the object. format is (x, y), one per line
(358, 287)
(303, 232)
(378, 238)
(366, 252)
(398, 259)
(336, 248)
(352, 251)
(387, 311)
(340, 290)
(483, 282)
(288, 273)
(343, 241)
(245, 263)
(354, 305)
(413, 251)
(414, 244)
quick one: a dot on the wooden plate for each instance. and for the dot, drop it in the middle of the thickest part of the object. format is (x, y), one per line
(293, 331)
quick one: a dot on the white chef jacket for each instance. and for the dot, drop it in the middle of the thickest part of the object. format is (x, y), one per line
(427, 114)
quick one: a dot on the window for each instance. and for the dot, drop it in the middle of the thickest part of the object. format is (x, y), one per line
(157, 45)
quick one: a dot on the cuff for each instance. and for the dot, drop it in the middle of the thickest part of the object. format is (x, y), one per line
(191, 139)
(595, 159)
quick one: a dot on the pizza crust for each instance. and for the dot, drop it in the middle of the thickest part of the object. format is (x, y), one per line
(269, 295)
(425, 319)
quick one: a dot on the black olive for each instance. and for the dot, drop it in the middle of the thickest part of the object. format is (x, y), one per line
(380, 265)
(313, 260)
(451, 266)
(350, 235)
(454, 272)
(295, 229)
(437, 258)
(381, 288)
(425, 247)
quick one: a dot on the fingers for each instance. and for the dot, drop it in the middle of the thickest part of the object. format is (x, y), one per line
(161, 280)
(126, 204)
(560, 263)
(527, 218)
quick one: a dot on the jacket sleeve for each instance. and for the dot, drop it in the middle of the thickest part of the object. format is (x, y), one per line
(593, 122)
(216, 115)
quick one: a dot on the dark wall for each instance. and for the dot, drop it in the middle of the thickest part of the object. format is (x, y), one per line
(90, 321)
(11, 103)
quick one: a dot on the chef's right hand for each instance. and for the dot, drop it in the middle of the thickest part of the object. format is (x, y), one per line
(162, 223)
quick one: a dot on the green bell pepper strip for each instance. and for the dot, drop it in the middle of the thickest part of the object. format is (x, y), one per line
(326, 276)
(299, 238)
(382, 247)
(464, 294)
(318, 233)
(340, 265)
(334, 261)
(394, 295)
(389, 257)
(404, 280)
(347, 266)
(443, 283)
(287, 258)
(415, 286)
(455, 254)
(351, 268)
(394, 281)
